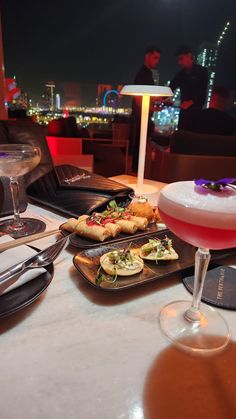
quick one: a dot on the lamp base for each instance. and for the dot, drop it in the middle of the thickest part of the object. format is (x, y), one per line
(149, 192)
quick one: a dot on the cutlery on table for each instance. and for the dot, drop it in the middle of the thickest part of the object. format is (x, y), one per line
(41, 259)
(27, 239)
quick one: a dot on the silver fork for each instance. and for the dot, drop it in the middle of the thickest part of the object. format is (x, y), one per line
(41, 259)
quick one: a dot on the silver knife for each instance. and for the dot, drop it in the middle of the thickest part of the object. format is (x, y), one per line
(17, 268)
(10, 276)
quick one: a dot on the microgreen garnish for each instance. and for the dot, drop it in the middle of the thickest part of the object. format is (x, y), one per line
(121, 207)
(112, 204)
(94, 218)
(215, 185)
(119, 259)
(115, 210)
(101, 277)
(157, 246)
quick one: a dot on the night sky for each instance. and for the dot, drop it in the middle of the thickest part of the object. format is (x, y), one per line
(102, 41)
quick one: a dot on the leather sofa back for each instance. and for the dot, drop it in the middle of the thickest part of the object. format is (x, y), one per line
(28, 132)
(186, 142)
(172, 167)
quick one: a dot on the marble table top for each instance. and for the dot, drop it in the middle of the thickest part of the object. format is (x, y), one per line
(80, 353)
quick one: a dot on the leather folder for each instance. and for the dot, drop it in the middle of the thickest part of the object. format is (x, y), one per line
(83, 196)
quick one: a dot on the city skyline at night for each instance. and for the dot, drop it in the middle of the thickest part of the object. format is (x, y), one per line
(104, 43)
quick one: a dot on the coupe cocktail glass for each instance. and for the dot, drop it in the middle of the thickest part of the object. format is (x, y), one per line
(206, 219)
(17, 160)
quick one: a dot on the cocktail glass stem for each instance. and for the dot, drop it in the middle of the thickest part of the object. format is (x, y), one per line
(14, 186)
(202, 258)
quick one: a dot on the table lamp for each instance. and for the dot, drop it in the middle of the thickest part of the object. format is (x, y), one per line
(146, 92)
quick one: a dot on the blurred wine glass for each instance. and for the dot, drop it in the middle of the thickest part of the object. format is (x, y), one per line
(16, 160)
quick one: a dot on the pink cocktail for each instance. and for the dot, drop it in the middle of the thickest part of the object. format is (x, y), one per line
(206, 219)
(201, 217)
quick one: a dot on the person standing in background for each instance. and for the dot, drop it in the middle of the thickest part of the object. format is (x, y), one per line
(192, 80)
(143, 77)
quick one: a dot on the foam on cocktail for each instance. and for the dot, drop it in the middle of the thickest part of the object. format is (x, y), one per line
(200, 216)
(200, 206)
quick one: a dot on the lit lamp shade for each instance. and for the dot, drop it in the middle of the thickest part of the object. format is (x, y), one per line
(146, 92)
(141, 90)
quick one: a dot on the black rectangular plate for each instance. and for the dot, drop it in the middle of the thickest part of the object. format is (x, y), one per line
(84, 243)
(87, 262)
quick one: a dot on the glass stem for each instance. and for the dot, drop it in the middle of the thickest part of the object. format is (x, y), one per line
(202, 259)
(14, 186)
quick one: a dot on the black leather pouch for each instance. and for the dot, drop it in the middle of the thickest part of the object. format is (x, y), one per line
(82, 196)
(6, 206)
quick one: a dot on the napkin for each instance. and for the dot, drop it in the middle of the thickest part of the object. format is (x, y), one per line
(13, 256)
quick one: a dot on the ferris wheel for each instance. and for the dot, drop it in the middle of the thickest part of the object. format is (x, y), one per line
(111, 99)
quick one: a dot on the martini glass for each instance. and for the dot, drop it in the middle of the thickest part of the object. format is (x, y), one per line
(205, 219)
(17, 160)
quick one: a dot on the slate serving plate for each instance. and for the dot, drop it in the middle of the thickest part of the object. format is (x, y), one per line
(87, 262)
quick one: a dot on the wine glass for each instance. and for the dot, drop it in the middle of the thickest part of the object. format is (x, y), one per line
(17, 160)
(206, 219)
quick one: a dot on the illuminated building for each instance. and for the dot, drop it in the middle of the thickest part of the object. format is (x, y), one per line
(207, 57)
(166, 120)
(58, 101)
(156, 76)
(51, 86)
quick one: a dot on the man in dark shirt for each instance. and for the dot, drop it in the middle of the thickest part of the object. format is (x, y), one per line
(213, 120)
(143, 77)
(192, 81)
